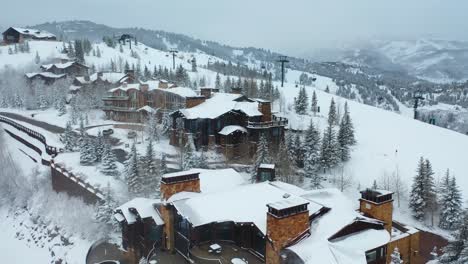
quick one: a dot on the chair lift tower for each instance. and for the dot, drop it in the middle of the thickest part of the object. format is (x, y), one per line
(282, 60)
(173, 52)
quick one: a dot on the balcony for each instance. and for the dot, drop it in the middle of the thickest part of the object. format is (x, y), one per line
(275, 122)
(115, 98)
(119, 108)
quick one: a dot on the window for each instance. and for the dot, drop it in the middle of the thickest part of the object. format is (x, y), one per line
(371, 256)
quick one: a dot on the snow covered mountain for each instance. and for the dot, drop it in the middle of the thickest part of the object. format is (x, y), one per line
(434, 60)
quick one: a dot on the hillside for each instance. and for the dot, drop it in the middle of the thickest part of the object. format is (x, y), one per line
(386, 140)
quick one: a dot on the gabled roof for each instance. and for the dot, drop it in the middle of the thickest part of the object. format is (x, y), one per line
(341, 214)
(138, 207)
(222, 103)
(32, 32)
(62, 65)
(45, 75)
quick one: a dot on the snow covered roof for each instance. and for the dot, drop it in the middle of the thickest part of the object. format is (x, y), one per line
(45, 74)
(147, 108)
(219, 104)
(182, 91)
(143, 206)
(242, 204)
(126, 87)
(210, 180)
(61, 65)
(267, 166)
(341, 214)
(287, 203)
(110, 77)
(227, 130)
(34, 32)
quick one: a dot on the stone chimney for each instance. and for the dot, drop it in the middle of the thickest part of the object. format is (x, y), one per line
(86, 78)
(264, 107)
(172, 183)
(378, 204)
(287, 223)
(266, 172)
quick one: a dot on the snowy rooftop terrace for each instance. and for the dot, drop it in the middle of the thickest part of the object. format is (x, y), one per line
(138, 207)
(219, 104)
(242, 204)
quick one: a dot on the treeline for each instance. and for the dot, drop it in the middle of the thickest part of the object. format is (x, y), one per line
(312, 154)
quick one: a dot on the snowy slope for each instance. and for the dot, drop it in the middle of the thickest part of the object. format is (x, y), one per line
(387, 140)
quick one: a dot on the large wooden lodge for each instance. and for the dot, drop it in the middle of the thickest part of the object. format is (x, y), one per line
(268, 222)
(18, 35)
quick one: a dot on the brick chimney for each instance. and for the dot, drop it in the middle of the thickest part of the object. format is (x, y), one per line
(172, 183)
(378, 204)
(287, 223)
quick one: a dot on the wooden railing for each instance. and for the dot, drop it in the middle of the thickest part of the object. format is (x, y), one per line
(53, 151)
(277, 121)
(79, 182)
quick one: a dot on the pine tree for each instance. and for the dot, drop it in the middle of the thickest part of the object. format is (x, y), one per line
(151, 172)
(417, 201)
(109, 166)
(314, 103)
(330, 152)
(133, 175)
(262, 155)
(152, 127)
(87, 154)
(166, 123)
(194, 64)
(395, 258)
(374, 185)
(430, 194)
(69, 141)
(218, 81)
(189, 160)
(450, 203)
(202, 161)
(327, 89)
(332, 117)
(98, 52)
(105, 210)
(37, 59)
(456, 252)
(99, 147)
(284, 164)
(302, 102)
(62, 109)
(312, 156)
(346, 135)
(79, 51)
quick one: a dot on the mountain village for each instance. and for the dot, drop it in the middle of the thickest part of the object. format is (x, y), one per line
(165, 160)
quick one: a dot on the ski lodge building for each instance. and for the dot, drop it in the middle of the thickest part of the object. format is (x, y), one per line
(18, 35)
(213, 215)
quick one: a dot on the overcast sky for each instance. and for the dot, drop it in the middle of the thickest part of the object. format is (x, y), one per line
(293, 26)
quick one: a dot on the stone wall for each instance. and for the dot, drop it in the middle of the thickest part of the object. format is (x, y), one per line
(408, 247)
(167, 190)
(283, 231)
(382, 211)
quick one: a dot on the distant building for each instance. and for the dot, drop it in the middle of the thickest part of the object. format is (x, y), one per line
(102, 80)
(47, 77)
(19, 35)
(70, 68)
(132, 102)
(230, 121)
(274, 222)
